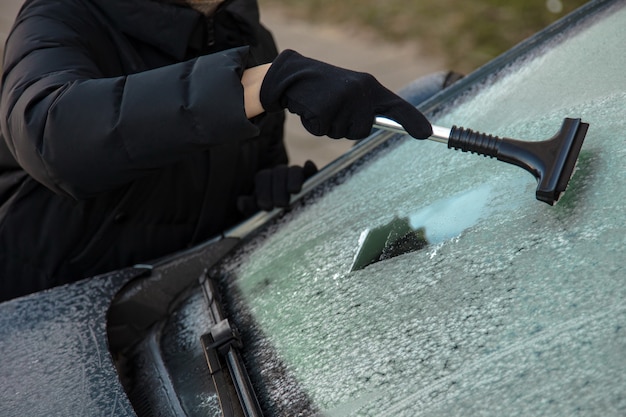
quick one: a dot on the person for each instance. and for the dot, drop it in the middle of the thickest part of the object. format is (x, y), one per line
(132, 129)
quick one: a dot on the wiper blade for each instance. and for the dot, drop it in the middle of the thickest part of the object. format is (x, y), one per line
(222, 351)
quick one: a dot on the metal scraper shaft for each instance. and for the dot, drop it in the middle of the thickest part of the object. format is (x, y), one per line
(440, 134)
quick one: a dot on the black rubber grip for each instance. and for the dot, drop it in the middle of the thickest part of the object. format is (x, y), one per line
(468, 140)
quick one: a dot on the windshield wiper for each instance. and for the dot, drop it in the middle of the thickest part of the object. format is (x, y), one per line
(222, 347)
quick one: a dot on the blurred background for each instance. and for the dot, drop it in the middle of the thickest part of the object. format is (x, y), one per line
(399, 41)
(467, 33)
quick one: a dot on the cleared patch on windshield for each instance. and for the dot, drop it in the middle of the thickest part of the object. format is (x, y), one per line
(434, 224)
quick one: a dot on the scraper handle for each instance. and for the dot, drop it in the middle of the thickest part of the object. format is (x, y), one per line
(440, 134)
(550, 161)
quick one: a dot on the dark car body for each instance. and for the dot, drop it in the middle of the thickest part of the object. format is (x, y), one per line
(507, 307)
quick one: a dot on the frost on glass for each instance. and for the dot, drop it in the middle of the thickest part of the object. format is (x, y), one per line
(513, 308)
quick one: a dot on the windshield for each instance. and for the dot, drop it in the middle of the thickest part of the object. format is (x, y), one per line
(507, 306)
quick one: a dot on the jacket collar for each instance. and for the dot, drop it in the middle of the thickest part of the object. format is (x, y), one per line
(166, 26)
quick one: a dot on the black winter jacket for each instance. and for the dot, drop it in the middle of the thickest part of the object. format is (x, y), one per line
(124, 134)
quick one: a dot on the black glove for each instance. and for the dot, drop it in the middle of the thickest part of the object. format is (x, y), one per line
(273, 187)
(334, 101)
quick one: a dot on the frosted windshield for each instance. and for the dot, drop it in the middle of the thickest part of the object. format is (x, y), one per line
(512, 308)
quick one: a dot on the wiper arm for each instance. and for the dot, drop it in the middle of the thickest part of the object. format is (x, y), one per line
(222, 351)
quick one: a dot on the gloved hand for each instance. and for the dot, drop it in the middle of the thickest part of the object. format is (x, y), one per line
(334, 101)
(273, 187)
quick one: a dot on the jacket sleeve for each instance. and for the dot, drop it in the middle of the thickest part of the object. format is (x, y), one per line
(81, 134)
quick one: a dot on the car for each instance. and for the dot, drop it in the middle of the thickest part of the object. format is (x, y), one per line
(406, 279)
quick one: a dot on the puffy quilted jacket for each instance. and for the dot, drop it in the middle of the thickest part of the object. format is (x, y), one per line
(124, 134)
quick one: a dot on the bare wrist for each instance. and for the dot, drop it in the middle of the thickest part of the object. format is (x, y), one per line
(252, 80)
